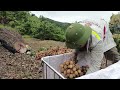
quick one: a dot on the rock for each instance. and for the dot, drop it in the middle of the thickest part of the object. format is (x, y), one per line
(29, 53)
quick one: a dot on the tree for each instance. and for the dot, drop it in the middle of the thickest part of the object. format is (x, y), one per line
(114, 23)
(29, 24)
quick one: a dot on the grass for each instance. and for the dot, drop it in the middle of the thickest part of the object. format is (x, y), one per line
(36, 44)
(7, 27)
(27, 36)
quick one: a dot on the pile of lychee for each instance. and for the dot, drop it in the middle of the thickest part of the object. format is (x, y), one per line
(71, 70)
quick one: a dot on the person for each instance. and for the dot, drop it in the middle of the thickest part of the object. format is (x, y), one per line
(92, 40)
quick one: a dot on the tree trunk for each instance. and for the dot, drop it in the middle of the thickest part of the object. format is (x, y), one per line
(12, 41)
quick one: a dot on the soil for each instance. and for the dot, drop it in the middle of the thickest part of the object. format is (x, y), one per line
(23, 66)
(18, 66)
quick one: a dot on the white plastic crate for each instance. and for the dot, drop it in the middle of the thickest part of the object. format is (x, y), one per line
(51, 64)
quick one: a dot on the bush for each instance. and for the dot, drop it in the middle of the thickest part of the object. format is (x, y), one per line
(117, 40)
(28, 24)
(42, 49)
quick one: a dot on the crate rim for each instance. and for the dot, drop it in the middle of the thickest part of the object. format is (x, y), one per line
(52, 68)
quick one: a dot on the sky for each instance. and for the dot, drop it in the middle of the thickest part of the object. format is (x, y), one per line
(72, 16)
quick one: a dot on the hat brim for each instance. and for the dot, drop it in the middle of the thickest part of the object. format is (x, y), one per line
(71, 46)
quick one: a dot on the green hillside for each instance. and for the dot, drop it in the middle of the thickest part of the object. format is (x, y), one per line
(28, 24)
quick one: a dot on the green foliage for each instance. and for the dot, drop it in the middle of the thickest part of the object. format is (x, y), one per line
(59, 24)
(29, 24)
(33, 53)
(42, 49)
(26, 36)
(114, 23)
(117, 40)
(7, 27)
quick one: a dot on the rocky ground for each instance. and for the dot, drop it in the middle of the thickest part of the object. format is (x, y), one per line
(18, 66)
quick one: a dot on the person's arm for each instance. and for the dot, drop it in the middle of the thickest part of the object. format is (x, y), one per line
(95, 57)
(76, 54)
(114, 55)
